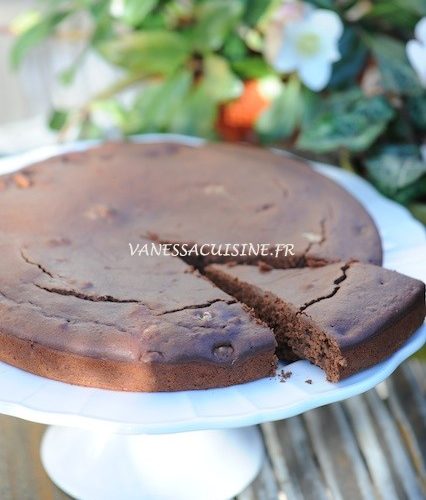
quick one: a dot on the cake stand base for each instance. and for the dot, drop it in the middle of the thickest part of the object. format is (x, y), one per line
(213, 465)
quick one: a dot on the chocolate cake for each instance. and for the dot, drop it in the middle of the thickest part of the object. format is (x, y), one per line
(76, 306)
(343, 317)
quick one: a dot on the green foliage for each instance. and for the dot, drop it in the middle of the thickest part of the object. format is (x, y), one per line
(398, 171)
(219, 82)
(284, 114)
(346, 120)
(354, 56)
(155, 107)
(402, 14)
(135, 11)
(34, 35)
(185, 60)
(214, 21)
(416, 106)
(147, 53)
(252, 68)
(58, 119)
(397, 74)
(197, 114)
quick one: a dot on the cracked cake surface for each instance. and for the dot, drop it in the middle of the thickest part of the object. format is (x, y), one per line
(76, 306)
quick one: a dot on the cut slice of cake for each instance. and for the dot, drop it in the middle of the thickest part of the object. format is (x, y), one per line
(343, 317)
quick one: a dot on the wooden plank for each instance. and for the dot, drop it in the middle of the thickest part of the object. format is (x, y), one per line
(338, 454)
(22, 476)
(370, 447)
(5, 450)
(264, 487)
(395, 450)
(411, 397)
(407, 431)
(304, 471)
(286, 486)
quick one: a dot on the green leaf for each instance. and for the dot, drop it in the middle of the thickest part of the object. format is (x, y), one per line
(283, 115)
(398, 172)
(419, 212)
(234, 48)
(169, 98)
(57, 119)
(252, 67)
(90, 130)
(135, 11)
(149, 52)
(416, 6)
(141, 115)
(156, 105)
(214, 21)
(254, 10)
(346, 120)
(104, 26)
(354, 55)
(416, 106)
(397, 74)
(35, 35)
(23, 22)
(219, 82)
(323, 4)
(112, 109)
(197, 115)
(397, 13)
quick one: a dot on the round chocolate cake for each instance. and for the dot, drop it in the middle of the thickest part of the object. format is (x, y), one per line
(81, 300)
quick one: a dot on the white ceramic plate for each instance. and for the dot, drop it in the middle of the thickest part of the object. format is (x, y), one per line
(42, 400)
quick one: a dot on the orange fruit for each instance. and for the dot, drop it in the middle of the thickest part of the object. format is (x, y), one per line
(237, 118)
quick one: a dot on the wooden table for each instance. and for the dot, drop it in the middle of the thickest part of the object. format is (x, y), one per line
(371, 446)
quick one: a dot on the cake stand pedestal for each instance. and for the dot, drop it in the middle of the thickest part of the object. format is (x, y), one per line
(193, 444)
(215, 464)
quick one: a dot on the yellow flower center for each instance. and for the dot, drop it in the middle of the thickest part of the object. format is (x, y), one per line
(308, 44)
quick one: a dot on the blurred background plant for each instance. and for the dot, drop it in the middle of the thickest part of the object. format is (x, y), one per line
(340, 81)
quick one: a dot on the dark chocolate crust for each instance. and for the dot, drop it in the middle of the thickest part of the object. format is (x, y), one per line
(344, 317)
(76, 307)
(112, 374)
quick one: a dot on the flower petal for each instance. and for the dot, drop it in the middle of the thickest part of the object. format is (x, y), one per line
(315, 73)
(286, 59)
(330, 49)
(416, 53)
(273, 41)
(420, 30)
(327, 23)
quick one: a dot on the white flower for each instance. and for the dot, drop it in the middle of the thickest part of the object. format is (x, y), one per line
(307, 42)
(416, 51)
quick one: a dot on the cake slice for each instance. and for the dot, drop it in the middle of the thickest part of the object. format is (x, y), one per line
(343, 317)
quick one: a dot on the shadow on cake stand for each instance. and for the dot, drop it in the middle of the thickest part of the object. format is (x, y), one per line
(194, 444)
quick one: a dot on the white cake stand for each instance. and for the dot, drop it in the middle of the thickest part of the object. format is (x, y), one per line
(107, 445)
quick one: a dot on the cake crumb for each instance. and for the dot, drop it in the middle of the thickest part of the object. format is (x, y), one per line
(264, 267)
(22, 181)
(152, 236)
(284, 376)
(308, 381)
